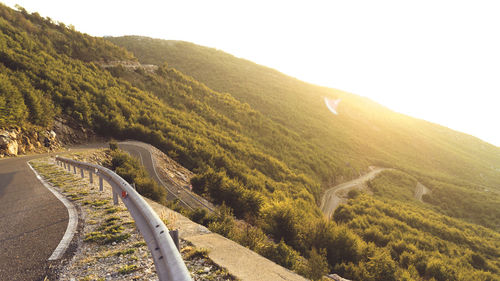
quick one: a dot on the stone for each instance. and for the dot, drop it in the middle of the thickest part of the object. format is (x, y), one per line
(52, 135)
(38, 144)
(8, 143)
(4, 140)
(27, 144)
(21, 149)
(336, 277)
(13, 135)
(12, 148)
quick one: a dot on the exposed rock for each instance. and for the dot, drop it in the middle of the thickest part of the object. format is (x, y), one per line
(8, 143)
(27, 143)
(4, 138)
(336, 277)
(69, 131)
(13, 135)
(21, 149)
(12, 148)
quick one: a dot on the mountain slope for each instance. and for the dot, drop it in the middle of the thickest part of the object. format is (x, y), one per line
(264, 161)
(364, 133)
(364, 128)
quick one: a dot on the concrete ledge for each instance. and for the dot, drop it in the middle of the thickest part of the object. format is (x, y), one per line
(241, 262)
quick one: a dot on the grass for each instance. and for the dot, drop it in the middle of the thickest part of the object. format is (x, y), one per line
(190, 252)
(124, 252)
(112, 210)
(139, 244)
(128, 269)
(105, 238)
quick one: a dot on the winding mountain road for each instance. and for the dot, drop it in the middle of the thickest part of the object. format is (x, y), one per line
(331, 198)
(420, 190)
(32, 222)
(142, 152)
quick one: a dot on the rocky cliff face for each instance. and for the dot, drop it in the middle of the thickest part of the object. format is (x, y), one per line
(71, 132)
(14, 141)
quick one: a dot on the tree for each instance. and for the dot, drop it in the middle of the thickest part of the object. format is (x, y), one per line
(316, 266)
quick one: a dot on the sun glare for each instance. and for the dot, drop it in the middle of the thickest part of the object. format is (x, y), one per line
(443, 69)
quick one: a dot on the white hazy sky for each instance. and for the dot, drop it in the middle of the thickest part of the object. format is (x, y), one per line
(435, 60)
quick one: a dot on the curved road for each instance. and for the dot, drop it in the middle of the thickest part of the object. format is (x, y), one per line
(32, 222)
(420, 190)
(331, 200)
(141, 151)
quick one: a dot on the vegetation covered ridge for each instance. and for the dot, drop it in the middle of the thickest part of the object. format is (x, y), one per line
(263, 159)
(332, 149)
(363, 133)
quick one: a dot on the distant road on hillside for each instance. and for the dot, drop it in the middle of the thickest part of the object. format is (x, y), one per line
(331, 199)
(141, 151)
(32, 221)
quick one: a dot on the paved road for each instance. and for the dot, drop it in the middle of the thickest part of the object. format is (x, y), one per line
(330, 200)
(420, 190)
(32, 222)
(141, 152)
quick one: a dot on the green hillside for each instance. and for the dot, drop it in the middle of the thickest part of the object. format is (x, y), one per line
(264, 152)
(339, 147)
(363, 129)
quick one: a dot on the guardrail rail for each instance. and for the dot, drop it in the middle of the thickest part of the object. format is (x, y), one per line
(168, 261)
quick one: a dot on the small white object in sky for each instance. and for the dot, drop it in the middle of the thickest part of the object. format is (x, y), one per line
(332, 104)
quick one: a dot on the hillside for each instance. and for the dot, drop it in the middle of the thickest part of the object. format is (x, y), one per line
(363, 134)
(262, 152)
(363, 129)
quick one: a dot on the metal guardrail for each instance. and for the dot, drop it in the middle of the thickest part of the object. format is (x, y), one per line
(179, 187)
(168, 261)
(172, 182)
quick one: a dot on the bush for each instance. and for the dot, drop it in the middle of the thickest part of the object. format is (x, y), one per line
(282, 254)
(132, 171)
(316, 266)
(113, 145)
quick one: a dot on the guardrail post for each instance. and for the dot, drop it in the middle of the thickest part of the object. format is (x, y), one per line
(91, 177)
(164, 249)
(81, 172)
(175, 236)
(115, 197)
(100, 184)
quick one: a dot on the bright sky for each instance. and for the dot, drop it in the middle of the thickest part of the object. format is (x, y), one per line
(435, 60)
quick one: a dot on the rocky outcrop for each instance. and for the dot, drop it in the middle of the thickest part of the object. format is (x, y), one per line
(14, 141)
(69, 131)
(336, 277)
(8, 143)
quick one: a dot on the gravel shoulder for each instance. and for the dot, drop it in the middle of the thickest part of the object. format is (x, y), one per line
(109, 247)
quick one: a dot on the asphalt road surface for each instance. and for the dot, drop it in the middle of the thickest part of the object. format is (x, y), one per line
(32, 222)
(141, 152)
(330, 200)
